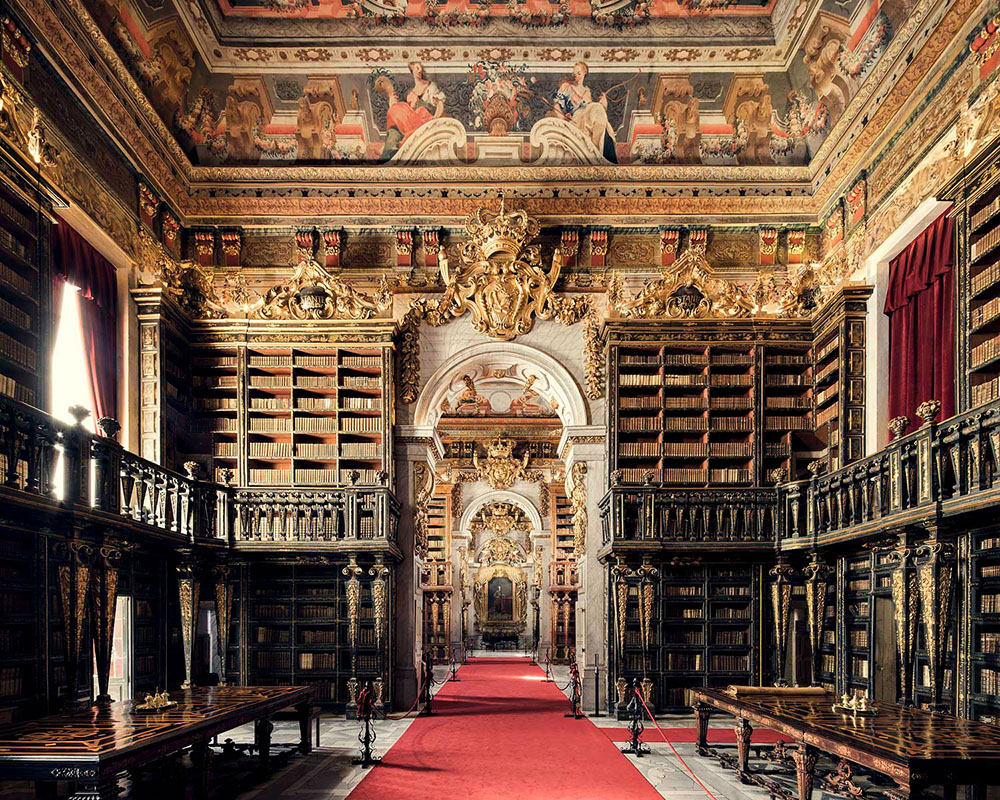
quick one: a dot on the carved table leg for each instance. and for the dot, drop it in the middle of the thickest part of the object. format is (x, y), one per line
(743, 731)
(201, 758)
(704, 714)
(805, 768)
(262, 738)
(305, 737)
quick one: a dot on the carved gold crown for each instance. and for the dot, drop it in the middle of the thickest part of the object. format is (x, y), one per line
(501, 233)
(500, 448)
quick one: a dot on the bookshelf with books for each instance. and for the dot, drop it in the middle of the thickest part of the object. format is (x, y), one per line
(22, 613)
(704, 631)
(839, 375)
(438, 575)
(857, 624)
(165, 377)
(25, 290)
(563, 577)
(984, 626)
(787, 409)
(148, 580)
(286, 407)
(296, 627)
(976, 212)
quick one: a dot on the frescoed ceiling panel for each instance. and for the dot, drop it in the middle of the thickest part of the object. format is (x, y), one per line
(495, 105)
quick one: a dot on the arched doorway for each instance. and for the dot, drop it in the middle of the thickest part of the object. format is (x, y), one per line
(497, 522)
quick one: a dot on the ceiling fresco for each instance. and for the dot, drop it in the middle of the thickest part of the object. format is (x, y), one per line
(494, 105)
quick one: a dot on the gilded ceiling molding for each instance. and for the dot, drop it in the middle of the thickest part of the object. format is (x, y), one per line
(499, 281)
(314, 293)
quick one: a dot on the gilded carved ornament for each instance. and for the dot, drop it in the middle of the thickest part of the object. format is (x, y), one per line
(423, 489)
(188, 283)
(500, 282)
(353, 591)
(500, 519)
(519, 582)
(690, 289)
(500, 468)
(578, 507)
(314, 293)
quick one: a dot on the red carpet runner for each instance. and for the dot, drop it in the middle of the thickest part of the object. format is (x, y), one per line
(500, 733)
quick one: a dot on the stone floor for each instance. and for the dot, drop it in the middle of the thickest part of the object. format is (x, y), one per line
(329, 773)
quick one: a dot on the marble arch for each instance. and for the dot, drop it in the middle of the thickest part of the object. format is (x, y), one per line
(514, 498)
(573, 409)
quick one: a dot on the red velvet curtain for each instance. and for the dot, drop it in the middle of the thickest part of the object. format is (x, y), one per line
(77, 263)
(921, 309)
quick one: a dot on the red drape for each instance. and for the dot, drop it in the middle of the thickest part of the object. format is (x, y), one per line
(76, 262)
(921, 309)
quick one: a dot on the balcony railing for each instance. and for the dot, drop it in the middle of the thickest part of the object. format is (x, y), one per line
(939, 470)
(99, 478)
(652, 514)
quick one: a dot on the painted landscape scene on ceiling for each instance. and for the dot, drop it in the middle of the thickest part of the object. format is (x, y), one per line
(496, 109)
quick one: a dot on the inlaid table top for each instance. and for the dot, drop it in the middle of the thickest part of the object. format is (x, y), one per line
(899, 734)
(114, 737)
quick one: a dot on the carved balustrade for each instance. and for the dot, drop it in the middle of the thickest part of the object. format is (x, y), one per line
(939, 470)
(563, 574)
(738, 517)
(349, 515)
(101, 479)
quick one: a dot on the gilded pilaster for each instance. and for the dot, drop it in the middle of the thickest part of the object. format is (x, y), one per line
(935, 574)
(223, 615)
(781, 597)
(188, 590)
(103, 607)
(817, 575)
(74, 588)
(905, 601)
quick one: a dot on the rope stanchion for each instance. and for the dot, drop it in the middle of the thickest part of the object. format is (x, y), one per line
(548, 667)
(635, 726)
(454, 668)
(428, 663)
(576, 692)
(671, 745)
(597, 687)
(367, 736)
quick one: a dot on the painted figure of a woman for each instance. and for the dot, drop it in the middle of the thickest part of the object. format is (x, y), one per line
(574, 102)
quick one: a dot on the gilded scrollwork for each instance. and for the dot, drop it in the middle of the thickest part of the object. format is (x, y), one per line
(353, 591)
(781, 597)
(188, 283)
(578, 506)
(379, 597)
(314, 293)
(423, 489)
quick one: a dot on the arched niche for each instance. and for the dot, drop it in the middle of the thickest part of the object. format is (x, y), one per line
(490, 358)
(519, 500)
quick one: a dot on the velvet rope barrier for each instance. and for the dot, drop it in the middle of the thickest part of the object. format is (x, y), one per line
(670, 744)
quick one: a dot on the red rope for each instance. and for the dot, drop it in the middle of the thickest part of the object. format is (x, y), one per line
(420, 692)
(671, 745)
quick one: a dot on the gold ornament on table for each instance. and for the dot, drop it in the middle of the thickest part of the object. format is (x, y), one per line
(158, 701)
(501, 469)
(855, 706)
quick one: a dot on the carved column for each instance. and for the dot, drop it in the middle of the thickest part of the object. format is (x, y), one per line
(74, 586)
(103, 607)
(781, 597)
(352, 590)
(223, 615)
(935, 573)
(189, 591)
(817, 574)
(905, 599)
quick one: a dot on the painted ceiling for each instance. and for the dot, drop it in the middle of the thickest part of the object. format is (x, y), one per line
(584, 82)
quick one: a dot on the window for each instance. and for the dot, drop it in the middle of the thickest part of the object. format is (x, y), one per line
(70, 384)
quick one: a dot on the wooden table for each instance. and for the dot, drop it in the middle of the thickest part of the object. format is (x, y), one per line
(915, 748)
(92, 746)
